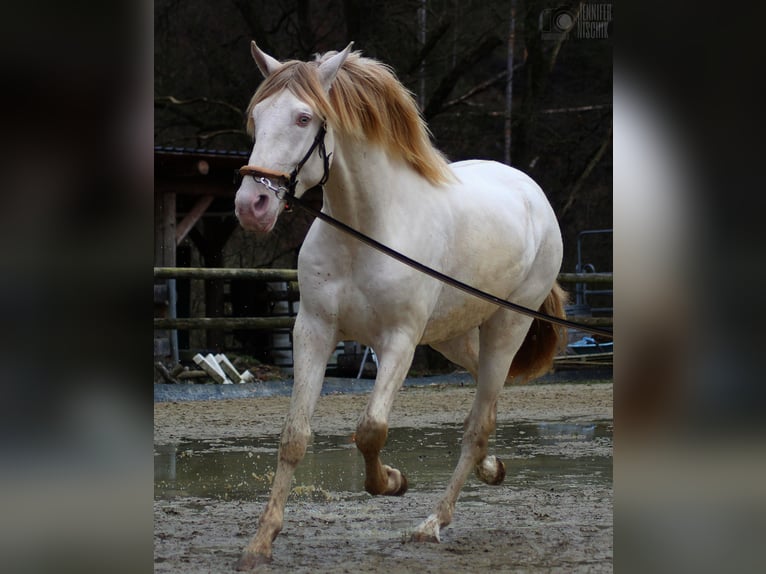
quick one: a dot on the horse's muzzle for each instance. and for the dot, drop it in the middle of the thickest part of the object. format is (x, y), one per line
(256, 208)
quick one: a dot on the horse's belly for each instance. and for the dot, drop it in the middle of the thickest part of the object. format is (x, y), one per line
(455, 314)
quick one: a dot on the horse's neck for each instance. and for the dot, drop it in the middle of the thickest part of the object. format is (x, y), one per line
(365, 185)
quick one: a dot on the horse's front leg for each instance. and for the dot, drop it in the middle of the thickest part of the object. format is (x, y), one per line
(394, 358)
(312, 345)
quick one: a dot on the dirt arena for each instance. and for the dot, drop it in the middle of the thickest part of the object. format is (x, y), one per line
(553, 513)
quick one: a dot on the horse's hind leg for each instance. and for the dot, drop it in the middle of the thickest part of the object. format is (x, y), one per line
(464, 351)
(312, 347)
(500, 338)
(395, 357)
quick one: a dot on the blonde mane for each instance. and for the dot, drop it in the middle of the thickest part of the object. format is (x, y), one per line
(366, 101)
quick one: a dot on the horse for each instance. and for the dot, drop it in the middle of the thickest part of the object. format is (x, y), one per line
(344, 121)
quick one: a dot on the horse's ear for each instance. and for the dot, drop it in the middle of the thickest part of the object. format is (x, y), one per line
(329, 68)
(266, 64)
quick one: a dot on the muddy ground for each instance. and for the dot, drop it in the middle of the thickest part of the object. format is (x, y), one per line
(553, 513)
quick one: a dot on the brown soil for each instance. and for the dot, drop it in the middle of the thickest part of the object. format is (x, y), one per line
(565, 526)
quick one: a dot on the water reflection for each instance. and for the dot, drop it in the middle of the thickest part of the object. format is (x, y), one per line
(534, 454)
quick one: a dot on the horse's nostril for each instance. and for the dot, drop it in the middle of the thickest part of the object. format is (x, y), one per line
(260, 203)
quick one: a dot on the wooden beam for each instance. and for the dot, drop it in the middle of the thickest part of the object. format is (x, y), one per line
(288, 322)
(165, 230)
(292, 274)
(206, 323)
(192, 217)
(586, 277)
(226, 273)
(592, 321)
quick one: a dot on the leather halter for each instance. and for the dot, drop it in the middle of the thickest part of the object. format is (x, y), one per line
(263, 173)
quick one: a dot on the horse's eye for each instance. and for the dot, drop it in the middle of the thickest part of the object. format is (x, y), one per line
(303, 120)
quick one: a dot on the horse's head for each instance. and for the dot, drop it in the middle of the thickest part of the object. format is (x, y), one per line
(289, 136)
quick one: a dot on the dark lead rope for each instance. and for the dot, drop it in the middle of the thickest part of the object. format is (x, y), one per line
(451, 281)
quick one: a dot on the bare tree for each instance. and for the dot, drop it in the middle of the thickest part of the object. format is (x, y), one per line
(509, 84)
(422, 34)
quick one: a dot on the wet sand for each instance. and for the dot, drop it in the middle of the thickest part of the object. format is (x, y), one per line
(552, 513)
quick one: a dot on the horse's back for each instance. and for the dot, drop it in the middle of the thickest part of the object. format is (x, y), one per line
(508, 208)
(498, 181)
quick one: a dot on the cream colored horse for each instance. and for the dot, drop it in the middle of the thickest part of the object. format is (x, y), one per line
(482, 222)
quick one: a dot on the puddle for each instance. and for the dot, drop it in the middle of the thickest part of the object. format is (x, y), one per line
(540, 455)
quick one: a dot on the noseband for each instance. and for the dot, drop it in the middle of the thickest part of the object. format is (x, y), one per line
(264, 175)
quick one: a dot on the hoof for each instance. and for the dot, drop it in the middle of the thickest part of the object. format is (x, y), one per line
(424, 537)
(250, 561)
(396, 483)
(403, 485)
(491, 470)
(402, 482)
(427, 531)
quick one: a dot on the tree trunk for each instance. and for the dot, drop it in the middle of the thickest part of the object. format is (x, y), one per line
(509, 84)
(305, 29)
(422, 22)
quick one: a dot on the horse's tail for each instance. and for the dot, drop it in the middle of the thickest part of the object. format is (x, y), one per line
(543, 341)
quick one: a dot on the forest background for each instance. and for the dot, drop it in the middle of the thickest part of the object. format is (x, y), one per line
(550, 117)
